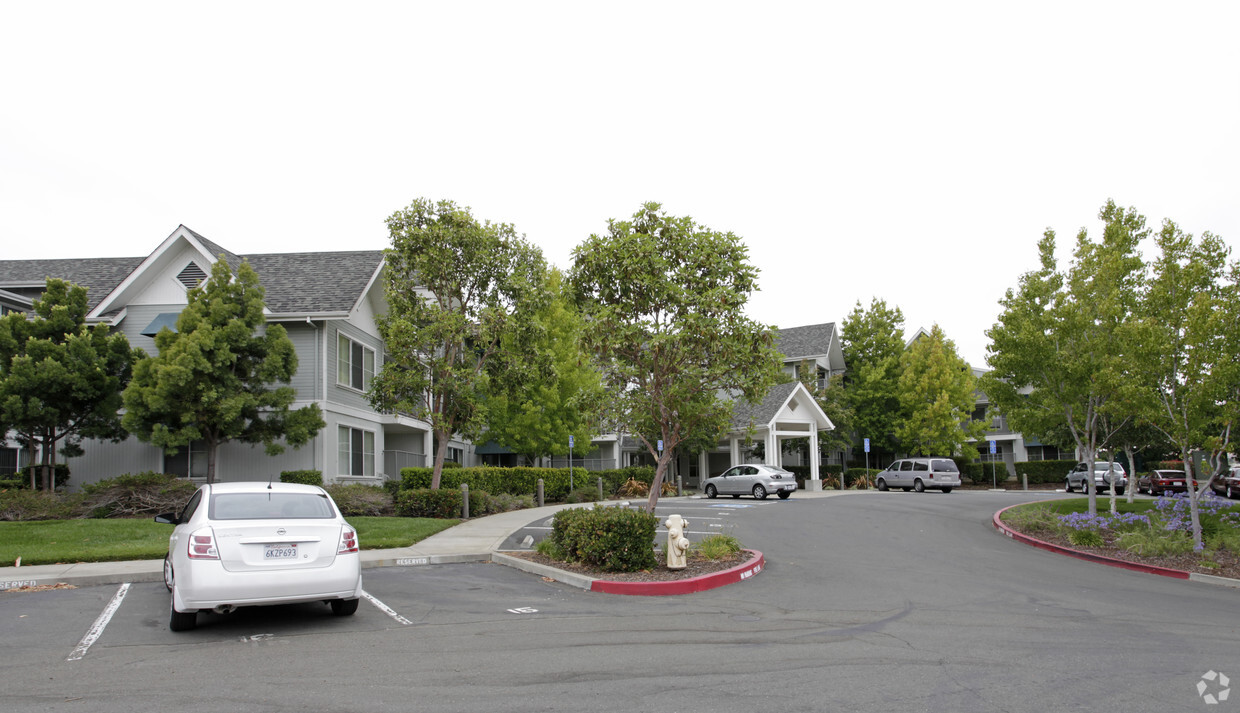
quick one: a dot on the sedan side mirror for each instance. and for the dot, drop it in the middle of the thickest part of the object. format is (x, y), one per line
(167, 518)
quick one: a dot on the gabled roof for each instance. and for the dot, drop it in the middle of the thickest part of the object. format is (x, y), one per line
(763, 415)
(797, 343)
(295, 283)
(98, 275)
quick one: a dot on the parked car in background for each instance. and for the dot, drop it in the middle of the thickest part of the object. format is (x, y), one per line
(1228, 484)
(1164, 482)
(1102, 477)
(254, 544)
(920, 474)
(756, 480)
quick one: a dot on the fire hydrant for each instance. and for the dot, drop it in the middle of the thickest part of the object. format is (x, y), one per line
(677, 543)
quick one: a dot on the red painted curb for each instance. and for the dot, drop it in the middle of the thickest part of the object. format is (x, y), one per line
(1087, 556)
(738, 573)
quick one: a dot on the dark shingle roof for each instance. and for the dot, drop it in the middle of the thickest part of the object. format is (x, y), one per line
(98, 275)
(295, 282)
(744, 415)
(802, 342)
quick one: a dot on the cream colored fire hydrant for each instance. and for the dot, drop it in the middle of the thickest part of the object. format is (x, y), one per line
(677, 543)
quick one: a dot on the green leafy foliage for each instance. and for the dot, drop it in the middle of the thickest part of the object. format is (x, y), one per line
(18, 504)
(442, 503)
(462, 299)
(936, 397)
(663, 300)
(359, 499)
(213, 377)
(524, 481)
(718, 546)
(873, 341)
(613, 539)
(61, 380)
(305, 477)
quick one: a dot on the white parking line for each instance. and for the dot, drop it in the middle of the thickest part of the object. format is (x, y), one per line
(386, 610)
(96, 629)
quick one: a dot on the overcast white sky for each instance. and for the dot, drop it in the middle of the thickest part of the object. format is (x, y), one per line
(913, 151)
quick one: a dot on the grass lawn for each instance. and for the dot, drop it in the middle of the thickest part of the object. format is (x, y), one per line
(55, 541)
(1069, 505)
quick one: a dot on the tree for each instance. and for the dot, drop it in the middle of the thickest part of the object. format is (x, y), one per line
(1063, 348)
(833, 399)
(212, 379)
(663, 299)
(462, 299)
(936, 395)
(873, 341)
(537, 417)
(61, 380)
(1192, 308)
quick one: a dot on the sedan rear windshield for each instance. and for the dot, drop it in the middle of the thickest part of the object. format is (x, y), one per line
(270, 506)
(944, 466)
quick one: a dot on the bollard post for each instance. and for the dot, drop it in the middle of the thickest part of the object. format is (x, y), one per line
(680, 485)
(1024, 480)
(540, 492)
(600, 490)
(465, 501)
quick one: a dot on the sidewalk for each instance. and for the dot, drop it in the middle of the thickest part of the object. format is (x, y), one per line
(471, 541)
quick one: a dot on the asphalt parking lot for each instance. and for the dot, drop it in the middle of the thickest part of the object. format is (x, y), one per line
(871, 602)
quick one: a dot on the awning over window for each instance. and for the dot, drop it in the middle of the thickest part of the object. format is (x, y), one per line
(165, 319)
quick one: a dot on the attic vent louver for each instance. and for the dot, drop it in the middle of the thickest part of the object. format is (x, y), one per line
(191, 275)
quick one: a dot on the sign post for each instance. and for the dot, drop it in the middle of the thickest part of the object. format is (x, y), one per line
(867, 464)
(994, 483)
(570, 464)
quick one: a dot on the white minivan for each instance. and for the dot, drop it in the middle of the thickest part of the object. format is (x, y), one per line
(920, 474)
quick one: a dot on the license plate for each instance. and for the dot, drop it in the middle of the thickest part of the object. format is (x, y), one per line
(280, 552)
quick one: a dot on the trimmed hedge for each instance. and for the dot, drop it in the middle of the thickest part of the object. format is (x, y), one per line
(359, 499)
(613, 539)
(524, 481)
(445, 503)
(1045, 471)
(305, 477)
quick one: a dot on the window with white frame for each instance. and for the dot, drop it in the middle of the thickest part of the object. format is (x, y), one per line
(188, 461)
(355, 364)
(357, 451)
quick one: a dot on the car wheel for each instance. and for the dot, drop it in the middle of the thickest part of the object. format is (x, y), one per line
(785, 494)
(759, 492)
(1231, 493)
(1067, 486)
(919, 486)
(168, 571)
(178, 620)
(946, 490)
(711, 492)
(344, 607)
(1119, 491)
(881, 485)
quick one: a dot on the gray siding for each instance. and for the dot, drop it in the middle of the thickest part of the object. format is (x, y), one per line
(104, 459)
(137, 317)
(307, 380)
(339, 393)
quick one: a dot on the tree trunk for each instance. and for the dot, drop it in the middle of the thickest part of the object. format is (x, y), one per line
(656, 486)
(441, 441)
(211, 447)
(1132, 475)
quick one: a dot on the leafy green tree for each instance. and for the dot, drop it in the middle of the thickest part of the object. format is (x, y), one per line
(462, 300)
(833, 399)
(1062, 352)
(873, 342)
(936, 395)
(61, 380)
(1191, 306)
(213, 377)
(537, 417)
(663, 300)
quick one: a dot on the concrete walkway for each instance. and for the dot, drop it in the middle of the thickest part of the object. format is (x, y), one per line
(471, 541)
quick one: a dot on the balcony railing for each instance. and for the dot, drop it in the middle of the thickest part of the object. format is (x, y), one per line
(393, 461)
(585, 463)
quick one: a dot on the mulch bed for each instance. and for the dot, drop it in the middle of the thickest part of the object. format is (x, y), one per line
(1228, 562)
(696, 566)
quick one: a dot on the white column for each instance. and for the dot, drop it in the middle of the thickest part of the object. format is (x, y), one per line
(772, 448)
(735, 456)
(815, 480)
(428, 447)
(703, 467)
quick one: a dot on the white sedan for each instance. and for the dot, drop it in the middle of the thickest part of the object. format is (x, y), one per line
(254, 544)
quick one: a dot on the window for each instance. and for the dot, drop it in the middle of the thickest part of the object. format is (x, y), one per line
(8, 461)
(188, 462)
(355, 364)
(456, 455)
(357, 451)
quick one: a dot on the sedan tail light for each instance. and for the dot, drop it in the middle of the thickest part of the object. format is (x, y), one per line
(348, 541)
(202, 545)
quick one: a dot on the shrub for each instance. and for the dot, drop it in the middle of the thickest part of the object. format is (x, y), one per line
(357, 499)
(506, 502)
(611, 538)
(1032, 519)
(21, 479)
(633, 488)
(21, 504)
(1155, 543)
(860, 478)
(1045, 471)
(548, 548)
(585, 495)
(305, 477)
(976, 473)
(441, 503)
(718, 546)
(1085, 538)
(524, 481)
(135, 495)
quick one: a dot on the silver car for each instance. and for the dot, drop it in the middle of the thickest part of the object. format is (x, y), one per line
(755, 480)
(253, 544)
(1104, 473)
(920, 474)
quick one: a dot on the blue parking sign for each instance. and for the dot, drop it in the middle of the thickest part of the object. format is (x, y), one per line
(992, 448)
(867, 445)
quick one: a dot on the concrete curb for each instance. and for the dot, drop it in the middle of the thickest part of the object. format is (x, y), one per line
(1109, 561)
(741, 572)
